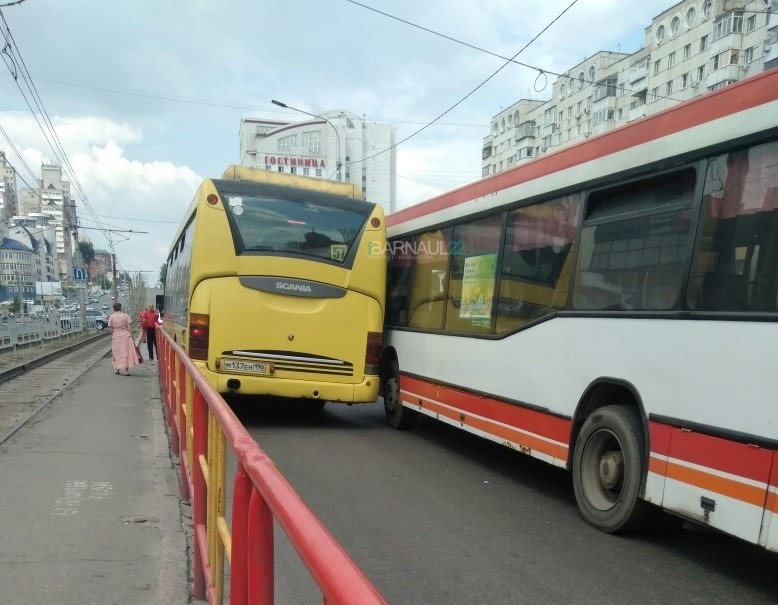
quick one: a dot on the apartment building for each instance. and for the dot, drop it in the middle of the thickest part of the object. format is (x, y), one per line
(693, 47)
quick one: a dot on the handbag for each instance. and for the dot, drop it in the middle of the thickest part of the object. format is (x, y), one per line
(137, 352)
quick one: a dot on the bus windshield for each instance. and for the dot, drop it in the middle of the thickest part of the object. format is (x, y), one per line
(265, 223)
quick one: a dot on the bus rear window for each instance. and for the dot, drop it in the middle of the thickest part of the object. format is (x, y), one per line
(265, 223)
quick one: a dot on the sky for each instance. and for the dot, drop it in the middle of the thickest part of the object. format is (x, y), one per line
(146, 96)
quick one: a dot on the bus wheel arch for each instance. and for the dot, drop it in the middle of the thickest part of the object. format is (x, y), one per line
(398, 416)
(609, 461)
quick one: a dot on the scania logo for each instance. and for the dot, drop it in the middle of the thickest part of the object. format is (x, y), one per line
(285, 285)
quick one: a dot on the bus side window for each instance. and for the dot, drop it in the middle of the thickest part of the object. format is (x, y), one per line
(633, 250)
(473, 275)
(400, 262)
(735, 265)
(535, 271)
(429, 283)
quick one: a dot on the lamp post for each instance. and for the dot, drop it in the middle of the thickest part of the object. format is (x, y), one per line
(308, 113)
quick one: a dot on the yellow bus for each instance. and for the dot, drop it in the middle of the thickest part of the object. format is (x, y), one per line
(275, 286)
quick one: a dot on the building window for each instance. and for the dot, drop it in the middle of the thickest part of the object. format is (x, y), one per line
(748, 55)
(671, 59)
(312, 141)
(606, 88)
(669, 88)
(687, 52)
(581, 78)
(751, 24)
(707, 9)
(684, 80)
(660, 35)
(700, 73)
(654, 94)
(657, 66)
(675, 26)
(703, 43)
(728, 24)
(591, 74)
(286, 143)
(691, 17)
(603, 115)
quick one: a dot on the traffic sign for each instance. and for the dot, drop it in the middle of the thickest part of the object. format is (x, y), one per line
(79, 274)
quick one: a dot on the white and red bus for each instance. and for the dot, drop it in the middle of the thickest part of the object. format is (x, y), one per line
(612, 309)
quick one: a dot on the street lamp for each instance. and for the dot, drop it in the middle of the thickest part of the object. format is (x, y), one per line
(337, 135)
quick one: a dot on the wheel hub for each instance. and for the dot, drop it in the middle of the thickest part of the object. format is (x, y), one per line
(611, 469)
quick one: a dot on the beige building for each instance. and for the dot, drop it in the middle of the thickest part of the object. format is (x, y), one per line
(693, 47)
(336, 145)
(52, 197)
(8, 201)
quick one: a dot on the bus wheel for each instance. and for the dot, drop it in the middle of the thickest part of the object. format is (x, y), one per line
(399, 417)
(608, 465)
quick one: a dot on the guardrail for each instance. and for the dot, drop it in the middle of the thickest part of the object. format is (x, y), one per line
(202, 425)
(33, 331)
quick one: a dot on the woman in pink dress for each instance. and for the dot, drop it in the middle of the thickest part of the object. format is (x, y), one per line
(122, 343)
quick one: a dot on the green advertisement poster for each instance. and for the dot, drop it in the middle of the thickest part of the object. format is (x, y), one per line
(478, 288)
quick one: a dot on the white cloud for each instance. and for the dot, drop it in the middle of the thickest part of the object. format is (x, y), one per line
(147, 97)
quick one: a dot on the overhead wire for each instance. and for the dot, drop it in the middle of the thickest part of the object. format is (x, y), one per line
(11, 49)
(541, 71)
(469, 94)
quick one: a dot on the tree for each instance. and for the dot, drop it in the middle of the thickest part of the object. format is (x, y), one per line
(87, 251)
(163, 274)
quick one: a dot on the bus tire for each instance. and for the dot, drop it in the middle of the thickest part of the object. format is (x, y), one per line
(608, 466)
(398, 416)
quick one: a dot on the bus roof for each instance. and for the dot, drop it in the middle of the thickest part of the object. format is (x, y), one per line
(758, 90)
(247, 173)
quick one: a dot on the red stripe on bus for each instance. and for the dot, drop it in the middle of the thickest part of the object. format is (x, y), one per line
(740, 459)
(533, 421)
(752, 92)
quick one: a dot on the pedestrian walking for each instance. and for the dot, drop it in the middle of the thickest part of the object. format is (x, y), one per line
(148, 325)
(122, 343)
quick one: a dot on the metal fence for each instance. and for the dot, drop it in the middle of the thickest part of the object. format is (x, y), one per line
(202, 427)
(30, 331)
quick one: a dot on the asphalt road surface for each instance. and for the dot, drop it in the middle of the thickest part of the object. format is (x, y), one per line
(436, 516)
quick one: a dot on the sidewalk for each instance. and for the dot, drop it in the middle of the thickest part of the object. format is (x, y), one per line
(89, 499)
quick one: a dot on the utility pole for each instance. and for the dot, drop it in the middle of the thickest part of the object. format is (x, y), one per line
(81, 301)
(115, 286)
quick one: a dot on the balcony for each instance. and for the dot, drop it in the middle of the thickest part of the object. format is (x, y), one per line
(526, 130)
(728, 73)
(733, 40)
(636, 113)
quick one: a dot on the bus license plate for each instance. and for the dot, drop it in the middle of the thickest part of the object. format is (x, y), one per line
(236, 365)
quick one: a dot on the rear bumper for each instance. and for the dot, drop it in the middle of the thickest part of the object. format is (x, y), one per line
(363, 392)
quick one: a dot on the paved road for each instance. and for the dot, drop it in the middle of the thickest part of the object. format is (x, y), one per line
(435, 516)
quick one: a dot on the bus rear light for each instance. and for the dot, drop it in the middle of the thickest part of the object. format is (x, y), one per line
(212, 199)
(375, 222)
(198, 336)
(373, 353)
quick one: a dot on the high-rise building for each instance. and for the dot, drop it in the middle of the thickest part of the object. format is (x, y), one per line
(693, 47)
(52, 198)
(336, 145)
(8, 198)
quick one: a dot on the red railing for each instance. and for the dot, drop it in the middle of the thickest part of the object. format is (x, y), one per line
(201, 424)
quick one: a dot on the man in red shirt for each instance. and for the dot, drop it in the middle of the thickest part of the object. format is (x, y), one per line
(148, 323)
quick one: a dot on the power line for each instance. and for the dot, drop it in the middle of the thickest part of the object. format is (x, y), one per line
(541, 71)
(472, 92)
(11, 50)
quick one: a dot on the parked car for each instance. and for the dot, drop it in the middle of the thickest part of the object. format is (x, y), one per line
(100, 319)
(105, 308)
